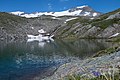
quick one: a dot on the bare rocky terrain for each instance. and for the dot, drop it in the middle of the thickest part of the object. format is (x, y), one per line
(103, 26)
(87, 68)
(63, 27)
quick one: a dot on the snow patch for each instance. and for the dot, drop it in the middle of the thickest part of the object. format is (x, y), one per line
(17, 13)
(94, 14)
(55, 18)
(41, 31)
(41, 37)
(87, 13)
(70, 19)
(82, 6)
(91, 18)
(32, 27)
(114, 35)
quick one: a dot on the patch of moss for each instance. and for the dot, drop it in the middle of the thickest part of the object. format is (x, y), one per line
(10, 21)
(116, 39)
(81, 20)
(104, 16)
(78, 77)
(73, 77)
(105, 23)
(71, 37)
(108, 77)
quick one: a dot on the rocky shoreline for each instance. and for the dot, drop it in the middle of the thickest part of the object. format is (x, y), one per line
(89, 68)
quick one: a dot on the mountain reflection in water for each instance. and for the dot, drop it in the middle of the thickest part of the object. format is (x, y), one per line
(21, 60)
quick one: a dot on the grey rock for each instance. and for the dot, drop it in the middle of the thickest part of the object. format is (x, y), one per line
(117, 15)
(86, 67)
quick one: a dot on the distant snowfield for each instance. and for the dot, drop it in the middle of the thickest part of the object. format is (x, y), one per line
(17, 13)
(70, 12)
(56, 14)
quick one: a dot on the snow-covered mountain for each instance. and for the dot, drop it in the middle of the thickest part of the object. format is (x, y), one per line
(77, 11)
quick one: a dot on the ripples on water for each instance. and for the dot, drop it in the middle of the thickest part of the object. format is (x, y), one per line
(21, 60)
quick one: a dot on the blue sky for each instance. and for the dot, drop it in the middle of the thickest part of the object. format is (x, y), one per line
(30, 6)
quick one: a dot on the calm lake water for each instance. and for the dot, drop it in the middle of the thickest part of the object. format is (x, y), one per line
(21, 60)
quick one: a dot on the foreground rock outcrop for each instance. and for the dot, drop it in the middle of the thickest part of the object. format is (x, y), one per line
(89, 68)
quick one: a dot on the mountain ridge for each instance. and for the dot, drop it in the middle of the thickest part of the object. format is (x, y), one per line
(77, 11)
(103, 26)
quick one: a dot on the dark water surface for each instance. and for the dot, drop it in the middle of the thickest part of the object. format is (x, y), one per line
(20, 60)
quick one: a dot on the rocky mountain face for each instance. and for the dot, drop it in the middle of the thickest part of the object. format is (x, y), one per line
(11, 26)
(63, 27)
(104, 26)
(15, 27)
(77, 11)
(85, 11)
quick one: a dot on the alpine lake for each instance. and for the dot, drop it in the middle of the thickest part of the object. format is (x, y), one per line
(22, 60)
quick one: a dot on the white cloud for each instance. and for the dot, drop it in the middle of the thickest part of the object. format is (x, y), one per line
(64, 0)
(64, 8)
(49, 6)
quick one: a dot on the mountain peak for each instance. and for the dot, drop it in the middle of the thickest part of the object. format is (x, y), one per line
(82, 6)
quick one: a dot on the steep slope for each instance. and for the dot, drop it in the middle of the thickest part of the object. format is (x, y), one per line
(11, 25)
(77, 11)
(104, 26)
(16, 27)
